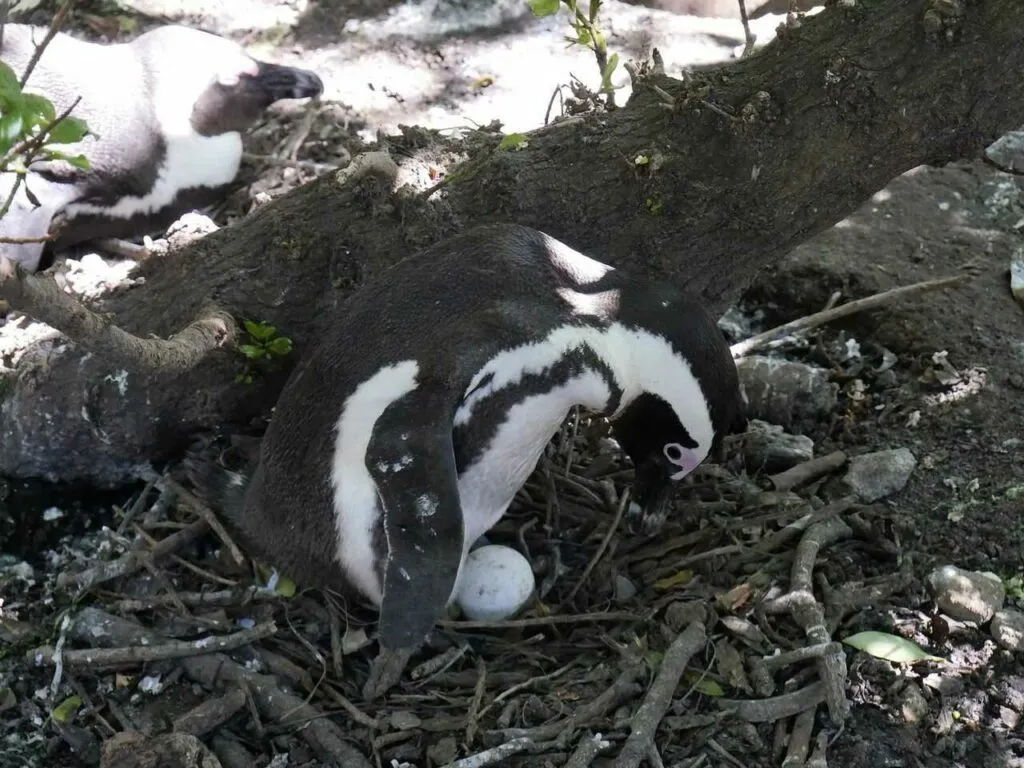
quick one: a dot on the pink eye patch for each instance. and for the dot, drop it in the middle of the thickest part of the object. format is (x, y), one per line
(683, 458)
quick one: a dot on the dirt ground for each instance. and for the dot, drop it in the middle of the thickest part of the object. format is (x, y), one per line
(962, 505)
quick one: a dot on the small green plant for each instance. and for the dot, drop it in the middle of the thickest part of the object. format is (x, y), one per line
(29, 129)
(587, 33)
(262, 346)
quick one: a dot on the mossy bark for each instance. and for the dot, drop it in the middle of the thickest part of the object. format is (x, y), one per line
(750, 159)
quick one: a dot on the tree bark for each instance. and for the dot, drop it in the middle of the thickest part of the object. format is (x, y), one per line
(751, 159)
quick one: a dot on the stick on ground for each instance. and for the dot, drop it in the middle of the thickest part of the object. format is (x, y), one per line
(656, 703)
(743, 348)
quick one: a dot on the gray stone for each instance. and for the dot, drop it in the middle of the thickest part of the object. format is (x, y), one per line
(769, 448)
(966, 595)
(783, 392)
(873, 476)
(1007, 629)
(681, 614)
(624, 589)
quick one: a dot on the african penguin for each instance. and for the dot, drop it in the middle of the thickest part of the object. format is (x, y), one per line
(405, 434)
(167, 109)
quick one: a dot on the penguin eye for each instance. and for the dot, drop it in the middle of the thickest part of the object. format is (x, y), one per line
(674, 452)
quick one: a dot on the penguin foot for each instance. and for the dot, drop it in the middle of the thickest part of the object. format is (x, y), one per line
(386, 670)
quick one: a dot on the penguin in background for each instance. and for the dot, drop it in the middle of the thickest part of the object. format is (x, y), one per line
(167, 112)
(405, 434)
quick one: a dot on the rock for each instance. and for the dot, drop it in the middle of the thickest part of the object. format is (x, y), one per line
(1007, 629)
(782, 392)
(444, 751)
(131, 749)
(769, 448)
(680, 614)
(1008, 150)
(913, 704)
(873, 476)
(624, 589)
(966, 595)
(1017, 275)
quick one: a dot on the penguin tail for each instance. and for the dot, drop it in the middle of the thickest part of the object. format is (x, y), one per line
(220, 476)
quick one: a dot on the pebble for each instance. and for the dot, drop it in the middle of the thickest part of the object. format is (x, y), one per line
(625, 589)
(913, 704)
(966, 595)
(873, 476)
(682, 613)
(769, 448)
(1007, 629)
(790, 394)
(1017, 275)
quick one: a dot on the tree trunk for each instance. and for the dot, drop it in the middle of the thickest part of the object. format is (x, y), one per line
(751, 159)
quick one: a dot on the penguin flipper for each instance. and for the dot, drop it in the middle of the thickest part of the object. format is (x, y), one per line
(417, 483)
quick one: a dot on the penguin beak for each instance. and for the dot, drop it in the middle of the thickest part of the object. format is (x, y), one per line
(652, 495)
(280, 82)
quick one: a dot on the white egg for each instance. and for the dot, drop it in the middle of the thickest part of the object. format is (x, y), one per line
(495, 583)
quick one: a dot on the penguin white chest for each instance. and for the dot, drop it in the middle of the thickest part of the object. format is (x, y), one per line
(190, 161)
(488, 485)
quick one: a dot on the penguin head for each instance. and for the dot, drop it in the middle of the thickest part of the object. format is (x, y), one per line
(685, 396)
(217, 86)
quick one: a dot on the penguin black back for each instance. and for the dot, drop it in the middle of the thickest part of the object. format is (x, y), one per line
(405, 433)
(166, 111)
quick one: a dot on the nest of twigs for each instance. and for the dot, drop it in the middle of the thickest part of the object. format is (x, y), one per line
(704, 643)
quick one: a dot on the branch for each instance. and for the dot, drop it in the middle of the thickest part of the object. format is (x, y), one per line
(41, 298)
(55, 25)
(743, 348)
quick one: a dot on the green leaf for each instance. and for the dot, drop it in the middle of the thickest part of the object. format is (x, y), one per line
(285, 587)
(252, 351)
(10, 129)
(280, 346)
(259, 331)
(9, 81)
(539, 8)
(40, 109)
(78, 161)
(582, 36)
(68, 131)
(609, 69)
(67, 709)
(513, 141)
(893, 648)
(707, 686)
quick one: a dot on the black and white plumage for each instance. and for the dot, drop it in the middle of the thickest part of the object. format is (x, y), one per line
(406, 433)
(167, 109)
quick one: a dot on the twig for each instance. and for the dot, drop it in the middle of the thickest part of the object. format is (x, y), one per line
(659, 697)
(585, 752)
(326, 738)
(809, 614)
(132, 560)
(55, 25)
(748, 36)
(197, 506)
(540, 621)
(620, 510)
(623, 688)
(777, 707)
(494, 755)
(742, 348)
(799, 739)
(24, 240)
(808, 471)
(474, 706)
(211, 714)
(511, 691)
(137, 654)
(42, 299)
